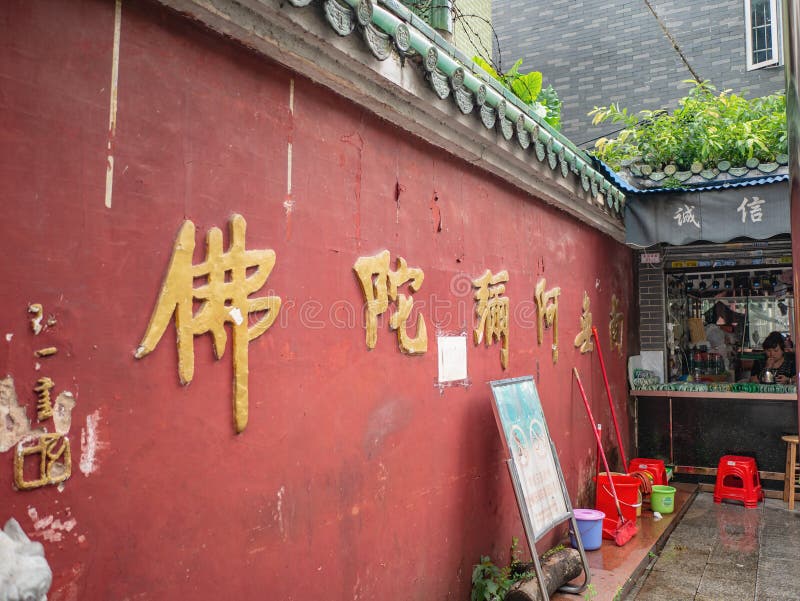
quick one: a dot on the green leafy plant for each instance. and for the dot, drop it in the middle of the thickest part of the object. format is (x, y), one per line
(590, 593)
(528, 88)
(707, 128)
(491, 583)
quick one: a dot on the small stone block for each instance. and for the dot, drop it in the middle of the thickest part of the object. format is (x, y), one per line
(696, 167)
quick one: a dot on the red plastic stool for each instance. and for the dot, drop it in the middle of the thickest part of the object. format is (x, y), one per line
(737, 479)
(654, 466)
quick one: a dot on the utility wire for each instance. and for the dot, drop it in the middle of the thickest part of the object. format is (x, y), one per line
(673, 42)
(475, 39)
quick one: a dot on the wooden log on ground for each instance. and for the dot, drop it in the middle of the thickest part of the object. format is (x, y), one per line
(558, 569)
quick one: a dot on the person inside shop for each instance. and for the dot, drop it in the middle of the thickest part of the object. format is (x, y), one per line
(779, 366)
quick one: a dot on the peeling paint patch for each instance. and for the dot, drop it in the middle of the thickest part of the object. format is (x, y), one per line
(38, 315)
(277, 514)
(288, 176)
(14, 424)
(288, 204)
(112, 110)
(62, 411)
(53, 529)
(9, 336)
(90, 444)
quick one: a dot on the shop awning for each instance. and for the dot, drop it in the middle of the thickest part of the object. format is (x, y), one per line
(712, 215)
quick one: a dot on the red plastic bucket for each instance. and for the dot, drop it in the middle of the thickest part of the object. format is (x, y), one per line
(654, 466)
(627, 488)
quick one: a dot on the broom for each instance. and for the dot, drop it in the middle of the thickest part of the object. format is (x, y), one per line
(645, 477)
(625, 530)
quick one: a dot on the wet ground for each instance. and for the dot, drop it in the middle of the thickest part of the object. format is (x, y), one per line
(724, 552)
(702, 552)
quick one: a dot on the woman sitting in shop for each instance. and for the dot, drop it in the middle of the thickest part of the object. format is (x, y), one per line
(779, 367)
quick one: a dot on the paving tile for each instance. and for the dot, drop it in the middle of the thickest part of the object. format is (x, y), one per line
(725, 555)
(719, 589)
(770, 595)
(668, 586)
(779, 546)
(731, 572)
(682, 541)
(779, 574)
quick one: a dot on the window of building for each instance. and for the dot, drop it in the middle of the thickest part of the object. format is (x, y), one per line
(763, 33)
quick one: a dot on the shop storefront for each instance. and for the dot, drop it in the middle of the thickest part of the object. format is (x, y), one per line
(711, 294)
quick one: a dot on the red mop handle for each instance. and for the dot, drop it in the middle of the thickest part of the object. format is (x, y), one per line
(610, 400)
(596, 435)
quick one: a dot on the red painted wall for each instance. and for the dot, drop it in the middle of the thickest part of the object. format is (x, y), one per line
(356, 478)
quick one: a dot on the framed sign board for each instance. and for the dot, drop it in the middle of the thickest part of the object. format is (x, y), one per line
(527, 441)
(535, 472)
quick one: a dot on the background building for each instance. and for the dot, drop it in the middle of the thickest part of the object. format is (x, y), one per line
(596, 52)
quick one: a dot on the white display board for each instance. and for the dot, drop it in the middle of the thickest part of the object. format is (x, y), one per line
(452, 355)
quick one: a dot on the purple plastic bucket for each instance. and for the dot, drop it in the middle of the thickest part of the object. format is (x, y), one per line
(590, 526)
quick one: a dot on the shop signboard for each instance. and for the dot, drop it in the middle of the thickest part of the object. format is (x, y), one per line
(757, 212)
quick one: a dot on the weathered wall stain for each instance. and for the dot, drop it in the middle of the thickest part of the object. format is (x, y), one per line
(386, 419)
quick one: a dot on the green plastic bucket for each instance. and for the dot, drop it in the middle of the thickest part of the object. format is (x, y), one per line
(662, 499)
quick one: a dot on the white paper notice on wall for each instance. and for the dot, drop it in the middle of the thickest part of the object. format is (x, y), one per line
(452, 352)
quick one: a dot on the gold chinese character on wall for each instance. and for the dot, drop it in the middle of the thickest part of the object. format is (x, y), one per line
(547, 313)
(616, 325)
(380, 285)
(227, 279)
(493, 311)
(44, 407)
(55, 461)
(583, 340)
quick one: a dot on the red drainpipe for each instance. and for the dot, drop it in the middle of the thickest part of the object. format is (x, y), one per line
(791, 57)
